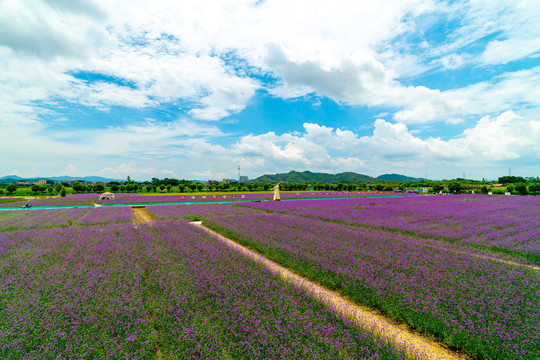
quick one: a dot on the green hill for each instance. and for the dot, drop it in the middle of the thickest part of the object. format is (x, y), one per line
(398, 177)
(308, 177)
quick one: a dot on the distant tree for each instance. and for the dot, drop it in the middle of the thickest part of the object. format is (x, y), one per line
(521, 188)
(169, 187)
(99, 188)
(534, 188)
(58, 187)
(50, 189)
(511, 179)
(510, 188)
(200, 187)
(131, 187)
(122, 188)
(1, 192)
(437, 188)
(78, 187)
(161, 187)
(454, 187)
(484, 189)
(35, 189)
(11, 188)
(63, 192)
(114, 187)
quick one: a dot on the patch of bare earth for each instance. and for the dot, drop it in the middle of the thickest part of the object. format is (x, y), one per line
(414, 344)
(142, 215)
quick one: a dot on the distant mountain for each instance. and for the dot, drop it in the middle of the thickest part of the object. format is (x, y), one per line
(308, 177)
(10, 179)
(398, 177)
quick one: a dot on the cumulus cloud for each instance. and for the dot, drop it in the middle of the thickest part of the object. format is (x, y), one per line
(507, 91)
(491, 141)
(502, 52)
(211, 57)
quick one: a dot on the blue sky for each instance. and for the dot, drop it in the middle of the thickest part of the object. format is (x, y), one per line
(193, 89)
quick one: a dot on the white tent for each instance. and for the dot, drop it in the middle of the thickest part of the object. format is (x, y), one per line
(106, 196)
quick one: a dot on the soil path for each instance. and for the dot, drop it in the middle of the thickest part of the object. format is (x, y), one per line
(141, 214)
(414, 344)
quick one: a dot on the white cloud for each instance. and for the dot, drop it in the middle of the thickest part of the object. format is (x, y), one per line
(124, 170)
(507, 91)
(210, 56)
(502, 52)
(452, 61)
(490, 142)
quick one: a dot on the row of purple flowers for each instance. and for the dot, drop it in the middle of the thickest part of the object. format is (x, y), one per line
(506, 224)
(119, 291)
(486, 308)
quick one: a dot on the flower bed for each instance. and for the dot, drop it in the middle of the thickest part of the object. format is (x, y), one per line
(117, 291)
(470, 303)
(505, 224)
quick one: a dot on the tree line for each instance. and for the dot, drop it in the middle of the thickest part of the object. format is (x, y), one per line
(513, 184)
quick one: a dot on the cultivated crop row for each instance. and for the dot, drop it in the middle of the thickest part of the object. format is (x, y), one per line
(116, 291)
(504, 224)
(489, 309)
(32, 219)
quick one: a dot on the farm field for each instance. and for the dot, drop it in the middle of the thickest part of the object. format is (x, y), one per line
(120, 291)
(153, 198)
(90, 283)
(507, 225)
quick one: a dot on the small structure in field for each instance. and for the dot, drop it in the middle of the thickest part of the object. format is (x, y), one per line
(276, 197)
(106, 196)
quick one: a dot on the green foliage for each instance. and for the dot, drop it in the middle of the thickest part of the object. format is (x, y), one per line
(63, 192)
(437, 188)
(484, 189)
(454, 187)
(11, 188)
(78, 187)
(534, 188)
(99, 188)
(521, 188)
(511, 179)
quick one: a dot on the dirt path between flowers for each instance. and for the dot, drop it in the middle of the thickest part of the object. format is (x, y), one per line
(141, 214)
(414, 344)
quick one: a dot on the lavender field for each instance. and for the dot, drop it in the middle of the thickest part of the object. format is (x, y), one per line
(51, 218)
(88, 283)
(502, 224)
(489, 309)
(120, 291)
